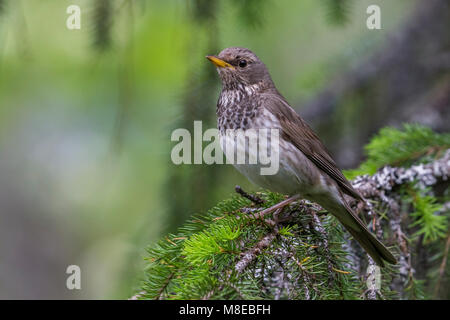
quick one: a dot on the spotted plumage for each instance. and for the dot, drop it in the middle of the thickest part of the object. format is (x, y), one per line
(249, 100)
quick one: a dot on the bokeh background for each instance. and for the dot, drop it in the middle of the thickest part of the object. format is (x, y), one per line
(86, 115)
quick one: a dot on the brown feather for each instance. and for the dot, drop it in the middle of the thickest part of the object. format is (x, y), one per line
(297, 131)
(366, 239)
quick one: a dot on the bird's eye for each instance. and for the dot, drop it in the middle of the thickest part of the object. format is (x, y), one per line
(242, 63)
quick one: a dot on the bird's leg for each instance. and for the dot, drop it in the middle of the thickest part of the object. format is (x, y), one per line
(279, 205)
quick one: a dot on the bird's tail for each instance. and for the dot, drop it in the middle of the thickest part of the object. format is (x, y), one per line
(365, 238)
(373, 246)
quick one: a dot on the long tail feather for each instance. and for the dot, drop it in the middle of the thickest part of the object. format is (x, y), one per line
(362, 235)
(373, 247)
(365, 238)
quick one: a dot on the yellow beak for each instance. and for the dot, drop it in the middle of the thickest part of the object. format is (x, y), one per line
(219, 62)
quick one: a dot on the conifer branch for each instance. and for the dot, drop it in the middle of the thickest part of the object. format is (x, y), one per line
(228, 253)
(253, 252)
(251, 197)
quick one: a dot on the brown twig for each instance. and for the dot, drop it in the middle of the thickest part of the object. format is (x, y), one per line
(253, 198)
(252, 253)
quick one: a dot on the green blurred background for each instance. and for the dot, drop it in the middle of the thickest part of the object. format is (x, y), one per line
(86, 116)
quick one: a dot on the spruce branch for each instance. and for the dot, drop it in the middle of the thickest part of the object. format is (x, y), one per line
(232, 252)
(251, 254)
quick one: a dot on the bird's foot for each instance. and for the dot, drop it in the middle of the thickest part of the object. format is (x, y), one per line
(275, 208)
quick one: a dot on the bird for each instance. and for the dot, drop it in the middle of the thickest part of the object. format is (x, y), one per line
(249, 100)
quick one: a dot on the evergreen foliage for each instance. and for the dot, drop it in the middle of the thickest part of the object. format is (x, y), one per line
(432, 226)
(231, 253)
(102, 22)
(200, 260)
(251, 12)
(401, 148)
(2, 6)
(337, 11)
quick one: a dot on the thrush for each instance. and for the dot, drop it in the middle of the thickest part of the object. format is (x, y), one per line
(250, 100)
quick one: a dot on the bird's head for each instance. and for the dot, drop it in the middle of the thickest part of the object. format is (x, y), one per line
(239, 68)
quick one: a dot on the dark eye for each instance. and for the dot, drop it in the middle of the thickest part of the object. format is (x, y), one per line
(242, 63)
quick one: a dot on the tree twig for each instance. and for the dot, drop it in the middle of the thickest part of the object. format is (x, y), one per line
(253, 198)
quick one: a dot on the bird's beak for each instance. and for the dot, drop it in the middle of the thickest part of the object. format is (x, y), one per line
(219, 62)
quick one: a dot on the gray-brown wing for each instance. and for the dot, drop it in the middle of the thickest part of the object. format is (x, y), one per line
(297, 131)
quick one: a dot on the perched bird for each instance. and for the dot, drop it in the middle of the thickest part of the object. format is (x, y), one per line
(250, 100)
